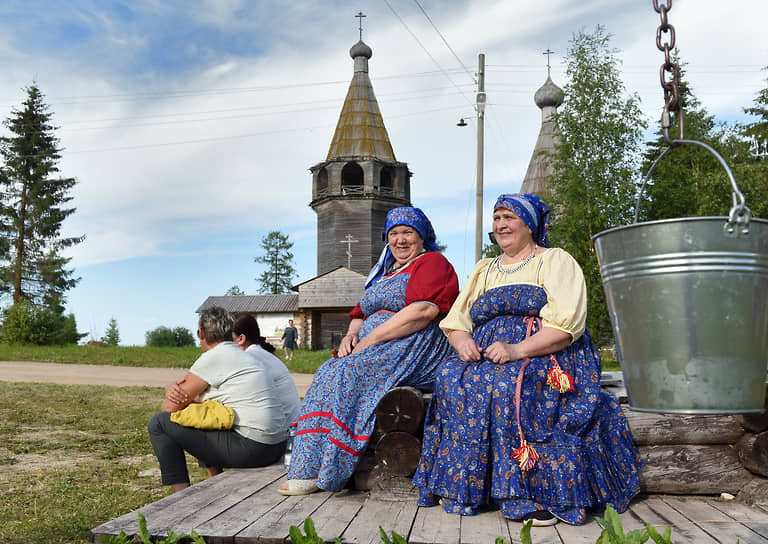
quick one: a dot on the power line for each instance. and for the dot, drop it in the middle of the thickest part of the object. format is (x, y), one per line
(427, 52)
(472, 77)
(246, 135)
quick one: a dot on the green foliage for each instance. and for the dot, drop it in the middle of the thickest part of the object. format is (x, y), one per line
(311, 536)
(32, 208)
(689, 181)
(25, 323)
(491, 250)
(613, 532)
(279, 260)
(165, 337)
(525, 532)
(757, 131)
(595, 162)
(396, 538)
(234, 291)
(112, 334)
(144, 537)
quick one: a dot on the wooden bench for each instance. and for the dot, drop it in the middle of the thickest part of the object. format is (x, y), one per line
(683, 454)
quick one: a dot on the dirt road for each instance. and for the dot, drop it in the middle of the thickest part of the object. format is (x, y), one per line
(13, 371)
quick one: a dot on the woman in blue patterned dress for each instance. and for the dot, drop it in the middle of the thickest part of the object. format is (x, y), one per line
(393, 339)
(518, 420)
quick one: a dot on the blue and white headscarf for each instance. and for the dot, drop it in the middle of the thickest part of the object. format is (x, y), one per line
(532, 210)
(412, 217)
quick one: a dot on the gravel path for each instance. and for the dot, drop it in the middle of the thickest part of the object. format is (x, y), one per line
(15, 371)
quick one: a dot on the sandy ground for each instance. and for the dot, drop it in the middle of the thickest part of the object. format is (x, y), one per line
(14, 371)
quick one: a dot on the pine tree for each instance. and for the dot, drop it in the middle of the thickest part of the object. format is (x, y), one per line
(112, 334)
(31, 208)
(279, 260)
(595, 161)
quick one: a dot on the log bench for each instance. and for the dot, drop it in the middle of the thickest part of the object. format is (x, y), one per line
(683, 454)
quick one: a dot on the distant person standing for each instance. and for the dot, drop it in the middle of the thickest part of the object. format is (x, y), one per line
(290, 336)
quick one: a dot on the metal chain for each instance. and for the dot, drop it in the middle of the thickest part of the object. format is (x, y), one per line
(669, 72)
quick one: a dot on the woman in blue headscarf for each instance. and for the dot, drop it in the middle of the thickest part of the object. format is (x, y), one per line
(393, 339)
(517, 419)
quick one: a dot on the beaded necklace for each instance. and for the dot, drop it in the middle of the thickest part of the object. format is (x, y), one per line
(518, 266)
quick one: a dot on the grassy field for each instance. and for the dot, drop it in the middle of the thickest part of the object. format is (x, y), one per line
(304, 361)
(71, 458)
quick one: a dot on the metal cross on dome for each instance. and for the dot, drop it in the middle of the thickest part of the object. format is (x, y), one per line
(360, 16)
(548, 52)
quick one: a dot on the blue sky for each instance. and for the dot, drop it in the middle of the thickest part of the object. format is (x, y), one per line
(190, 126)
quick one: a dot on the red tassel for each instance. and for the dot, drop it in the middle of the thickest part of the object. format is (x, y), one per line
(557, 379)
(526, 456)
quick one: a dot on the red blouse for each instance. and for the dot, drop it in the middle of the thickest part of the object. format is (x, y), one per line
(433, 279)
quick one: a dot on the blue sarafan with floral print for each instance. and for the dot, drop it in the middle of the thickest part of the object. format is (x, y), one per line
(338, 412)
(585, 454)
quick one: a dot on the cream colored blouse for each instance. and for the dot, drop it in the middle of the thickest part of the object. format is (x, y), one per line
(554, 270)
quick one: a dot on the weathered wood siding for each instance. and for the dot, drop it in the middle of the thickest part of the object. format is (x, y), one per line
(340, 288)
(361, 216)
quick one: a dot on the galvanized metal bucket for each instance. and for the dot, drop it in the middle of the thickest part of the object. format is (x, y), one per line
(688, 300)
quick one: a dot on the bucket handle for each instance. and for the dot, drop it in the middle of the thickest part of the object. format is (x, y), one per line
(740, 214)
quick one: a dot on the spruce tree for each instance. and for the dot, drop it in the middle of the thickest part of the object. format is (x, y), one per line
(112, 334)
(279, 260)
(595, 161)
(32, 208)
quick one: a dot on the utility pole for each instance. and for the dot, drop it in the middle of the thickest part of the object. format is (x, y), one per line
(480, 106)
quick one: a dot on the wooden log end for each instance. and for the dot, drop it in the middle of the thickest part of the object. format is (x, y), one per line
(401, 409)
(399, 452)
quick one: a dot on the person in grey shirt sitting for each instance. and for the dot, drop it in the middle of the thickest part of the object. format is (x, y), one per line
(235, 381)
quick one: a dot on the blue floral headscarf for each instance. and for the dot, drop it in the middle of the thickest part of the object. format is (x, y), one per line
(412, 217)
(532, 210)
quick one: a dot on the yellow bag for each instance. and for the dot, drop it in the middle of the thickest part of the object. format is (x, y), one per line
(210, 415)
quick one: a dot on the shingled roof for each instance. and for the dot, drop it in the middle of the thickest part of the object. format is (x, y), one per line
(360, 131)
(253, 303)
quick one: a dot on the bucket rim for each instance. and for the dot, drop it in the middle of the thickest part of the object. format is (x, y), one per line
(722, 218)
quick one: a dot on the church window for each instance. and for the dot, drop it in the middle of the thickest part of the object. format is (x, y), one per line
(352, 175)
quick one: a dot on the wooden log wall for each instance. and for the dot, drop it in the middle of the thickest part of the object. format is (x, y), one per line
(683, 454)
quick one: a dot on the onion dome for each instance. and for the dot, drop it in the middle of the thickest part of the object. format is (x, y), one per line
(360, 49)
(548, 95)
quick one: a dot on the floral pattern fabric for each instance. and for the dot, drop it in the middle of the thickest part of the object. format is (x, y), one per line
(338, 412)
(586, 455)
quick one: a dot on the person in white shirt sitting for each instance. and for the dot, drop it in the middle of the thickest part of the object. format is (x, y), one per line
(247, 335)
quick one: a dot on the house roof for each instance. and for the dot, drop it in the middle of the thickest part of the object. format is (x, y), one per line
(338, 270)
(253, 303)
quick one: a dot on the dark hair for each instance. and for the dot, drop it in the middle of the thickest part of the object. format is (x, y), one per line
(246, 324)
(216, 325)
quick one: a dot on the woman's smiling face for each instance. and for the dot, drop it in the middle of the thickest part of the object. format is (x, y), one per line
(405, 243)
(511, 232)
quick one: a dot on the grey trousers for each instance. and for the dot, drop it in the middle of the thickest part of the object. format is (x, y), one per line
(226, 449)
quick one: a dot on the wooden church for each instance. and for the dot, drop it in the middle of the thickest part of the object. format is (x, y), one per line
(352, 190)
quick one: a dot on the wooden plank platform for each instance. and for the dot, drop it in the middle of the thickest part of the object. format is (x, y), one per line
(243, 506)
